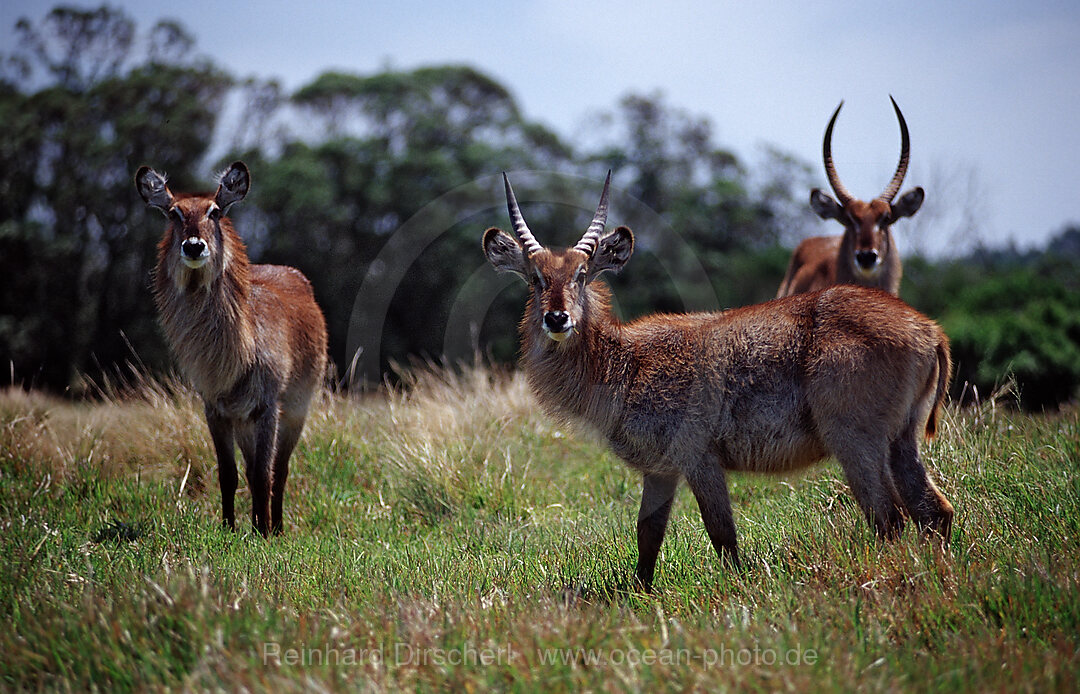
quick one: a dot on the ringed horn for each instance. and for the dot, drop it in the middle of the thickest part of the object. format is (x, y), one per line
(588, 242)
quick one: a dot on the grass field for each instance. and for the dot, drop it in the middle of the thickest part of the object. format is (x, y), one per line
(446, 536)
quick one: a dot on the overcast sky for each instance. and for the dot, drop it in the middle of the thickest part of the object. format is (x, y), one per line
(990, 90)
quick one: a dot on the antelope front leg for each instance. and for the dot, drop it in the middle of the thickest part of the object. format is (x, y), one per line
(221, 433)
(709, 485)
(656, 497)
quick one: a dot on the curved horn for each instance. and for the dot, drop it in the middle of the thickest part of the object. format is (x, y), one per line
(520, 227)
(588, 242)
(905, 153)
(842, 194)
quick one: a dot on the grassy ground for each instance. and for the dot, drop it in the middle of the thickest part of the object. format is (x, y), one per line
(448, 536)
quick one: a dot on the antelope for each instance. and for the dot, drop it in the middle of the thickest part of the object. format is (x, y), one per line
(865, 253)
(250, 338)
(848, 371)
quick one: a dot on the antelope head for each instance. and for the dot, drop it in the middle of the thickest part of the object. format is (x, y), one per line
(558, 278)
(195, 219)
(867, 241)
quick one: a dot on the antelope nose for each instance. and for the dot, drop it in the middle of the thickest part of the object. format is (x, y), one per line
(193, 248)
(557, 321)
(866, 259)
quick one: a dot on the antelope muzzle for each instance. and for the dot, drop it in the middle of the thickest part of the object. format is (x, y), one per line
(194, 252)
(557, 325)
(867, 261)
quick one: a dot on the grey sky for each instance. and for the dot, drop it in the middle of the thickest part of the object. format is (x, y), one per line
(990, 88)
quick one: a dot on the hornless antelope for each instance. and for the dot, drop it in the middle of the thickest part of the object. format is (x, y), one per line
(250, 338)
(865, 253)
(847, 371)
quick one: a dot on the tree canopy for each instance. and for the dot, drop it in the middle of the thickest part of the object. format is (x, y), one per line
(378, 187)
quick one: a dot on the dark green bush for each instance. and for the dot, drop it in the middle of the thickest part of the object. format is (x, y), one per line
(1023, 324)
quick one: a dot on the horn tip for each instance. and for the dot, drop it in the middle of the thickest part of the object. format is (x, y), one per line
(836, 112)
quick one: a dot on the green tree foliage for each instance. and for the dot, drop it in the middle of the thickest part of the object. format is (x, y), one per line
(74, 253)
(378, 186)
(1010, 315)
(396, 142)
(366, 156)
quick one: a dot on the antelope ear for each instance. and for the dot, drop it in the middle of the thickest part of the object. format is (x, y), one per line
(152, 189)
(504, 252)
(908, 204)
(612, 252)
(825, 206)
(234, 186)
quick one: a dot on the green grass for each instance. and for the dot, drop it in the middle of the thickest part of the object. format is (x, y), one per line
(447, 536)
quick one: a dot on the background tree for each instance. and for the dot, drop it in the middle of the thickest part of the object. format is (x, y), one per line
(389, 178)
(668, 160)
(72, 245)
(396, 141)
(1011, 315)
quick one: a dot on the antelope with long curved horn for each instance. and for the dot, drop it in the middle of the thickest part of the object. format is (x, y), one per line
(865, 253)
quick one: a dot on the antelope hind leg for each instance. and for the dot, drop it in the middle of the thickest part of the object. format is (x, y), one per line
(258, 448)
(926, 505)
(709, 485)
(864, 458)
(288, 435)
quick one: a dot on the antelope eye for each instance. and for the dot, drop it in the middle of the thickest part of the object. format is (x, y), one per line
(580, 277)
(213, 212)
(177, 214)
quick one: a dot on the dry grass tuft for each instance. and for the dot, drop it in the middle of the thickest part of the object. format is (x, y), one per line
(153, 430)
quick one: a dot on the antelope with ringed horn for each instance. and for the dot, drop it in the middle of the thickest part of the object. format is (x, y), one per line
(849, 371)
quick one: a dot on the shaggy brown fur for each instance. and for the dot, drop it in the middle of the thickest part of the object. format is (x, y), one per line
(250, 338)
(849, 371)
